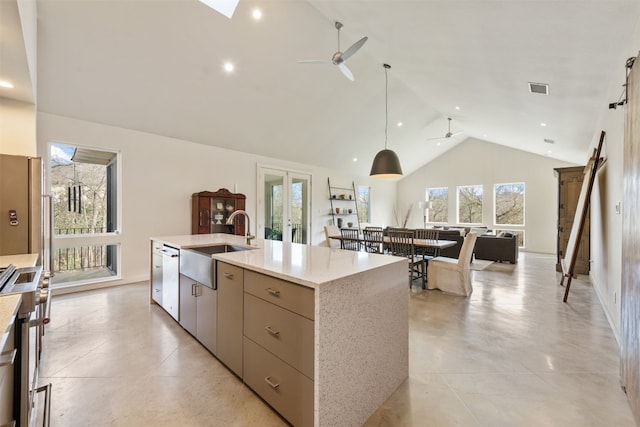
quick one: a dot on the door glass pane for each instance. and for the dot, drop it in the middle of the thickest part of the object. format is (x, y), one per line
(299, 214)
(273, 206)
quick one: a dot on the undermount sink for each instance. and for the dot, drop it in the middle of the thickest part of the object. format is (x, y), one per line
(219, 249)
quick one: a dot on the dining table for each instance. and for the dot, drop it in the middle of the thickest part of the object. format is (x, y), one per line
(437, 245)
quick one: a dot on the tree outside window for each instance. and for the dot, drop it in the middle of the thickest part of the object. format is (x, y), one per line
(439, 210)
(364, 203)
(509, 203)
(470, 204)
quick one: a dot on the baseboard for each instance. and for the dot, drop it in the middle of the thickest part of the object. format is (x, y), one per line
(98, 285)
(607, 314)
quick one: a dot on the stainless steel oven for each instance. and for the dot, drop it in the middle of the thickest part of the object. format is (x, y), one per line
(33, 315)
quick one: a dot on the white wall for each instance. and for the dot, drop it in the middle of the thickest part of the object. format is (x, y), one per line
(606, 224)
(159, 174)
(17, 128)
(475, 162)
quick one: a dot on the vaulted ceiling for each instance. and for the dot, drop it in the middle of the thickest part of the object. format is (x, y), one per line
(156, 66)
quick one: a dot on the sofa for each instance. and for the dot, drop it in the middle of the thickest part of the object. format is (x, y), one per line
(503, 247)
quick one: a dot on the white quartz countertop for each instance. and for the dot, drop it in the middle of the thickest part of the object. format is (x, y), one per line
(20, 261)
(303, 264)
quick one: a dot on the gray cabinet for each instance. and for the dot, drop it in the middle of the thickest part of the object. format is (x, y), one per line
(206, 322)
(279, 345)
(230, 281)
(198, 311)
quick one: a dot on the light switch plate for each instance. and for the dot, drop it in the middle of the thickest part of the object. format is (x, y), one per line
(618, 208)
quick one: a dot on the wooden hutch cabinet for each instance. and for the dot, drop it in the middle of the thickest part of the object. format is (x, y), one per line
(210, 210)
(569, 187)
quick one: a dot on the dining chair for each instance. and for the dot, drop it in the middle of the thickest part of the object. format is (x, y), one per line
(427, 234)
(453, 275)
(401, 244)
(332, 234)
(350, 239)
(373, 239)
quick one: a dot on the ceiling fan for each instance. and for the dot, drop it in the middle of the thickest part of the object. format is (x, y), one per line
(449, 134)
(340, 57)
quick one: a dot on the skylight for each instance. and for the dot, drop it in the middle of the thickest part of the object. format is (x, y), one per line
(225, 7)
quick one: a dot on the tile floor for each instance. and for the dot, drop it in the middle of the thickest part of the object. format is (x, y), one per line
(512, 354)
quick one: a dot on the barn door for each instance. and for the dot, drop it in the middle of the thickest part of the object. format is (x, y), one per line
(630, 299)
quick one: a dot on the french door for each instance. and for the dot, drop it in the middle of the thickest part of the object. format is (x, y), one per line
(284, 205)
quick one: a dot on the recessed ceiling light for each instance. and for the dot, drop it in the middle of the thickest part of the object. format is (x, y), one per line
(229, 67)
(6, 84)
(355, 159)
(399, 124)
(457, 108)
(257, 14)
(438, 144)
(484, 135)
(543, 124)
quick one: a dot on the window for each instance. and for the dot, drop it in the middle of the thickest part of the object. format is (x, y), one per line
(439, 199)
(364, 203)
(84, 185)
(509, 204)
(470, 204)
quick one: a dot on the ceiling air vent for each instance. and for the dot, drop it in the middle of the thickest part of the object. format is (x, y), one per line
(541, 88)
(549, 141)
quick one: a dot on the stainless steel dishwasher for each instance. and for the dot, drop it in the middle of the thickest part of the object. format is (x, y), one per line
(171, 280)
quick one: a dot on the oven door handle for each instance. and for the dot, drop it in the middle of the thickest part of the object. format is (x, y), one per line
(45, 318)
(46, 419)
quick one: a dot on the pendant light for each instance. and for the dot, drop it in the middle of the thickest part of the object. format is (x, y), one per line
(386, 163)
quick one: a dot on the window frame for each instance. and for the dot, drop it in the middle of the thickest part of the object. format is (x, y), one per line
(111, 239)
(428, 199)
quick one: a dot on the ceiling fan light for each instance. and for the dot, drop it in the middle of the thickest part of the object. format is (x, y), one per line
(386, 165)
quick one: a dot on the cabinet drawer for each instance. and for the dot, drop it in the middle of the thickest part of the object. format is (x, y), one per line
(285, 389)
(284, 333)
(293, 297)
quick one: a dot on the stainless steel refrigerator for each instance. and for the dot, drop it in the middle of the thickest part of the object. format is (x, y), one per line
(21, 205)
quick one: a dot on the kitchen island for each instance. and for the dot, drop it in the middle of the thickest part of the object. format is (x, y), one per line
(354, 304)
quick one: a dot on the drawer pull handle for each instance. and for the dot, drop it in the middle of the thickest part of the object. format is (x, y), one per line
(228, 276)
(273, 292)
(271, 383)
(272, 332)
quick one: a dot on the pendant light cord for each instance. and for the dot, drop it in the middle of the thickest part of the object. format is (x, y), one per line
(386, 103)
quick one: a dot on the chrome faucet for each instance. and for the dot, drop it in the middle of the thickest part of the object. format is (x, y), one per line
(247, 232)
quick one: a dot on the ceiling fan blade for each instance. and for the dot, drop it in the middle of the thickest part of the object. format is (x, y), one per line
(346, 71)
(436, 138)
(313, 61)
(456, 133)
(354, 48)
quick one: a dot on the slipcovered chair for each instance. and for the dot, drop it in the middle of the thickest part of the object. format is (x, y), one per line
(453, 275)
(332, 234)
